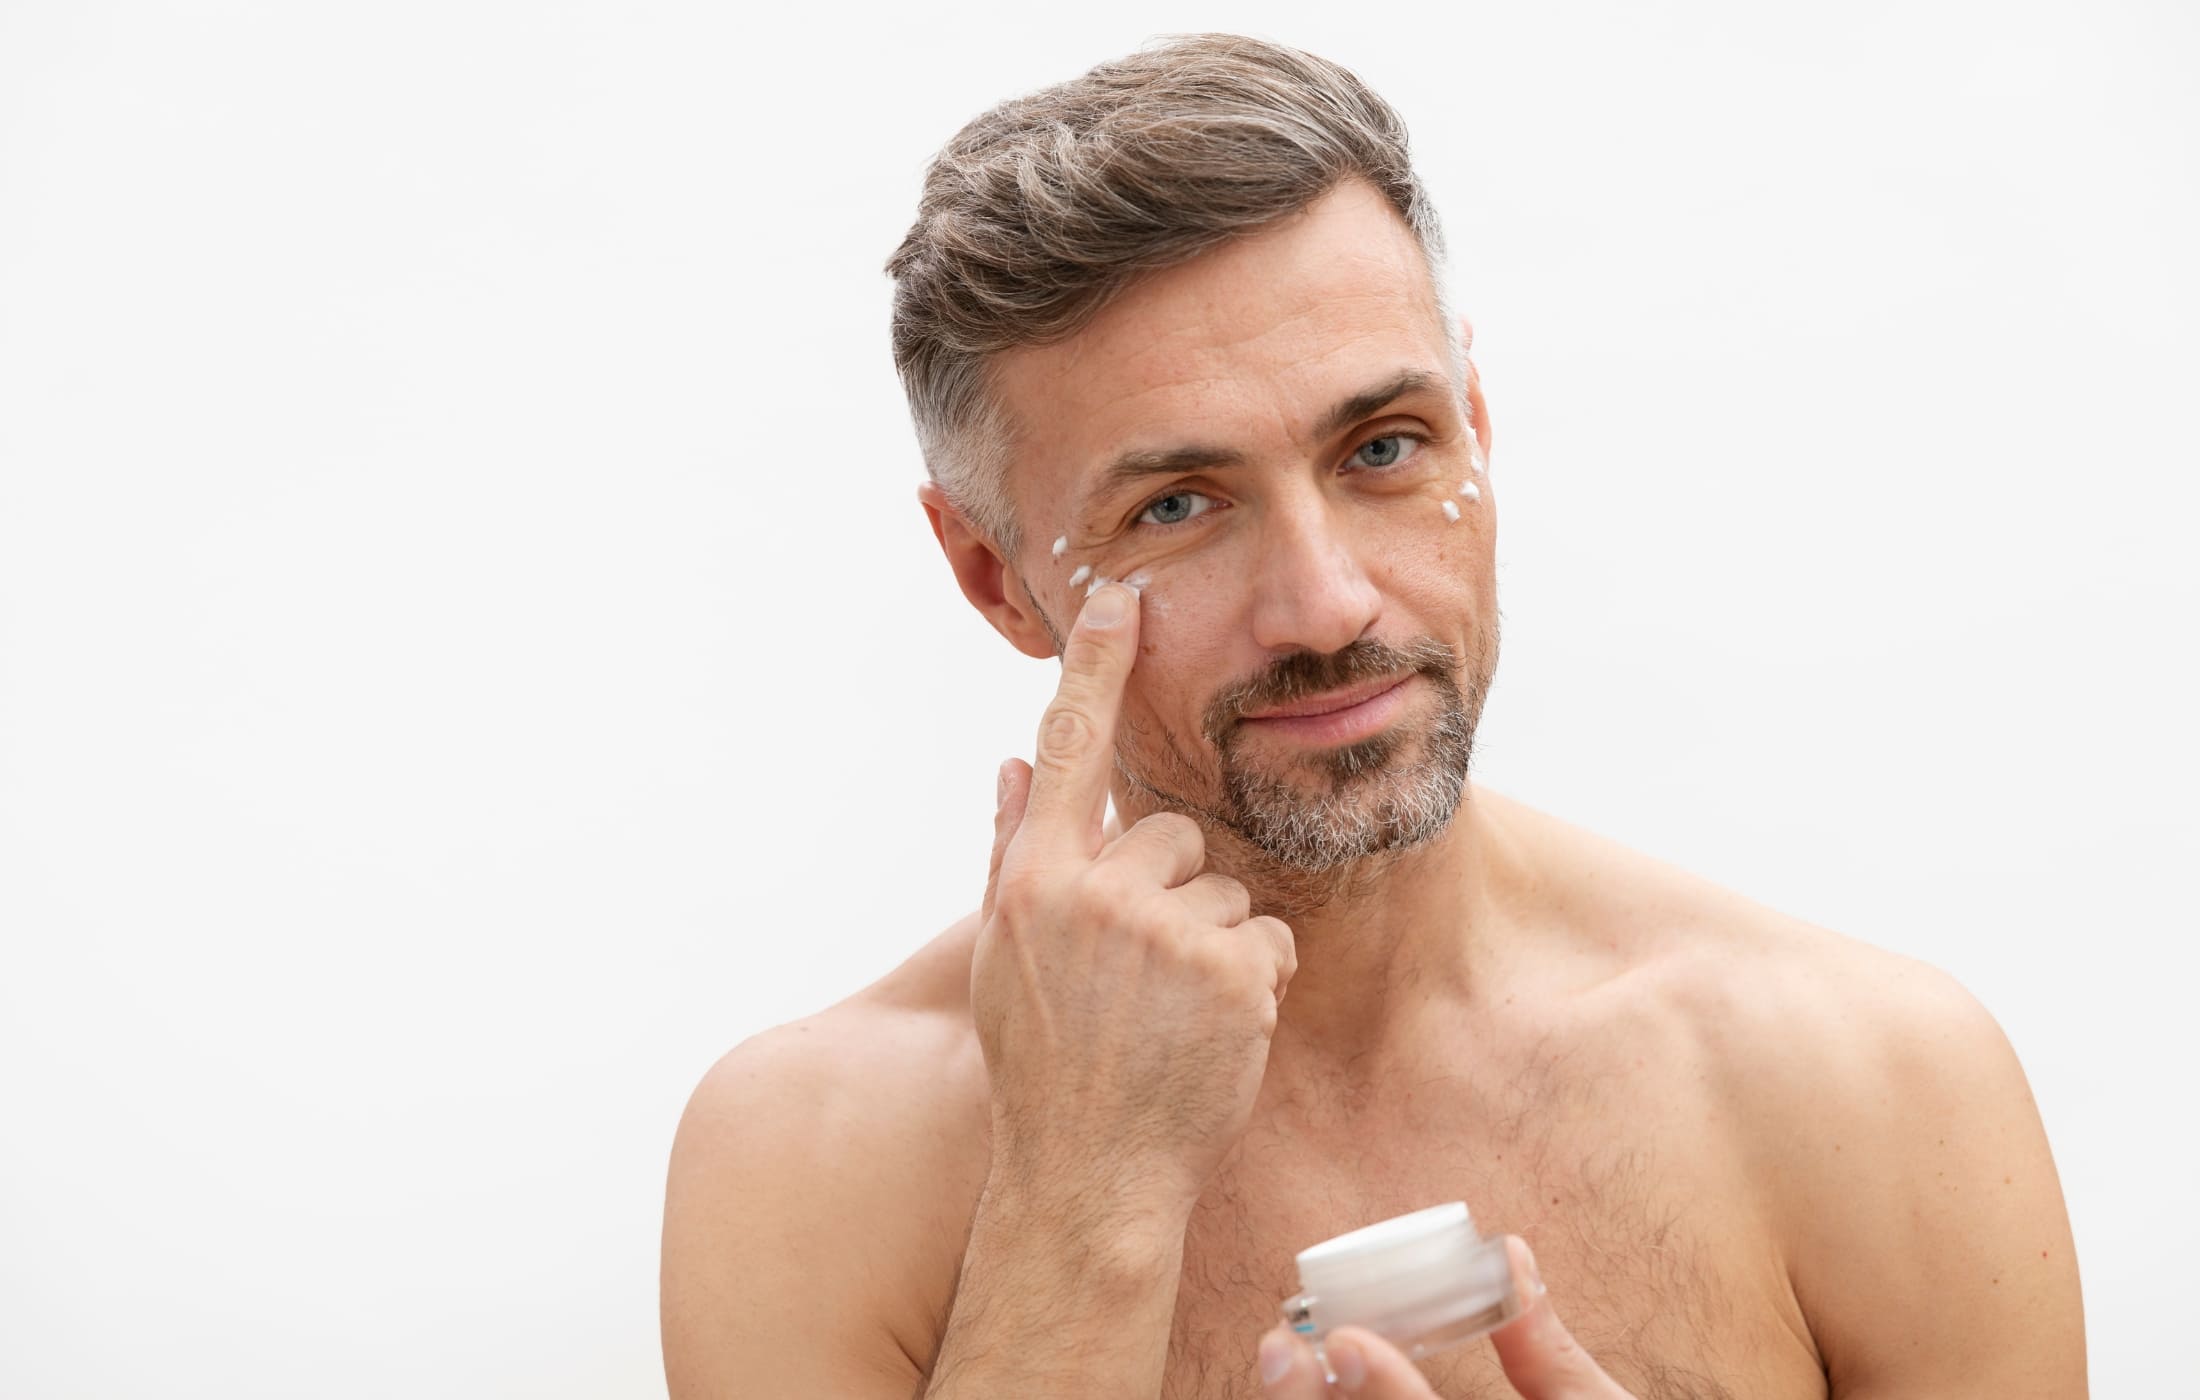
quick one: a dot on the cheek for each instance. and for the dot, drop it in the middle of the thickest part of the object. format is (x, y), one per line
(1162, 706)
(1185, 611)
(1432, 557)
(1184, 644)
(1161, 625)
(1458, 502)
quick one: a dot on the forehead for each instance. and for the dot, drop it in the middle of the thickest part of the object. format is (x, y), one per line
(1255, 338)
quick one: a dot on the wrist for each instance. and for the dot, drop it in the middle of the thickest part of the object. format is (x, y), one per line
(1114, 1225)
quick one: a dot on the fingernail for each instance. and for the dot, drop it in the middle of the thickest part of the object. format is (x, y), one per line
(1107, 606)
(1535, 1275)
(1000, 787)
(1275, 1358)
(1349, 1364)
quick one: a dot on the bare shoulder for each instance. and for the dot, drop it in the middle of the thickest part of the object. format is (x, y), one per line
(1908, 1176)
(1929, 1245)
(814, 1186)
(1786, 1006)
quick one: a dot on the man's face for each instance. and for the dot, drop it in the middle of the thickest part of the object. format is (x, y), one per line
(1269, 435)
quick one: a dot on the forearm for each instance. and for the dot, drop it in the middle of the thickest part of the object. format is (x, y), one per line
(1060, 1300)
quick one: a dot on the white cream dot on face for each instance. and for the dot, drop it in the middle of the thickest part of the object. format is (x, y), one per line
(1084, 571)
(1469, 490)
(1451, 510)
(1138, 583)
(1061, 543)
(1099, 581)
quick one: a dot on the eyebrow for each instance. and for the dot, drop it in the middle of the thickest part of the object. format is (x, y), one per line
(1140, 463)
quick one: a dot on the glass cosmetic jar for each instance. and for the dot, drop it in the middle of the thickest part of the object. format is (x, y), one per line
(1424, 1282)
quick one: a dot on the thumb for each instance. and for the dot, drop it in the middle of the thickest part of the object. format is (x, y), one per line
(1289, 1370)
(1540, 1357)
(1008, 814)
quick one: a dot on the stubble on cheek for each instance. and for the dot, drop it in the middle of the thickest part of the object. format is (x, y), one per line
(1279, 800)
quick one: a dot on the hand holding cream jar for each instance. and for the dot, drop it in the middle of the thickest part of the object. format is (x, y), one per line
(1424, 1282)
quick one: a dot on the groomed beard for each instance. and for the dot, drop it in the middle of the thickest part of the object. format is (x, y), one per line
(1317, 823)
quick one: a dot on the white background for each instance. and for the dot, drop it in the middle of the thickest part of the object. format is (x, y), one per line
(470, 652)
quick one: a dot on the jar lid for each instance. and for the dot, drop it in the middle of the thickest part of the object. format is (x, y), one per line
(1398, 1248)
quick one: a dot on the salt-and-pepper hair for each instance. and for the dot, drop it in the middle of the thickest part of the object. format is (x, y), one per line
(1042, 209)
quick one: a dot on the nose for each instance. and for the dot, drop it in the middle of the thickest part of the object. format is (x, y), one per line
(1309, 589)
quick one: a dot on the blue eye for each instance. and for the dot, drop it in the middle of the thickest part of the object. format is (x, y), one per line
(1388, 450)
(1175, 508)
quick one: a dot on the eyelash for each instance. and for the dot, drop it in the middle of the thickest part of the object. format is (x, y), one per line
(1419, 439)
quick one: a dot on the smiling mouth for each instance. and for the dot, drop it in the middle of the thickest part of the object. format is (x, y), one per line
(1329, 702)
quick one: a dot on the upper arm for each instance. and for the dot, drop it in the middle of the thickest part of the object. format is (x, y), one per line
(767, 1284)
(1933, 1253)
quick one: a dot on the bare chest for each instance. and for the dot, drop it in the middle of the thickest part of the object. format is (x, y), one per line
(1653, 1249)
(1602, 1146)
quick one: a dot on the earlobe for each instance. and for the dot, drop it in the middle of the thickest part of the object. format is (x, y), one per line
(985, 578)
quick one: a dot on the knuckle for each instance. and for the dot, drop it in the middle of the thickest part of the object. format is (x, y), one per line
(1176, 828)
(1014, 898)
(1216, 960)
(1106, 898)
(1083, 654)
(1217, 902)
(1235, 895)
(1066, 735)
(1101, 885)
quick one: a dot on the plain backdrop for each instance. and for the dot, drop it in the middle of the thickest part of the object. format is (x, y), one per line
(470, 652)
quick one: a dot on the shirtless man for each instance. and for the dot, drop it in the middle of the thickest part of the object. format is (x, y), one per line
(1314, 976)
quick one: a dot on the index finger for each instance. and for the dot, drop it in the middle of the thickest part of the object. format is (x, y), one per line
(1069, 773)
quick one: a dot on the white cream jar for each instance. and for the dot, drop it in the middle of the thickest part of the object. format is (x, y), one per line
(1424, 1281)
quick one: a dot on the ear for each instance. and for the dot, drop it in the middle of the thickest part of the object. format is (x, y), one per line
(985, 578)
(1475, 404)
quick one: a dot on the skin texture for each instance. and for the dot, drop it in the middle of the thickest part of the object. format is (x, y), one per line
(1753, 1157)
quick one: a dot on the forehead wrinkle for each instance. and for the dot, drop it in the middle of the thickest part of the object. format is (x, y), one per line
(1311, 315)
(1279, 382)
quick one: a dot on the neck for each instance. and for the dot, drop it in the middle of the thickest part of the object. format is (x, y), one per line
(1384, 941)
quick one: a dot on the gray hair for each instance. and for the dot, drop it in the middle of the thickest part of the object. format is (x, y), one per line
(1042, 209)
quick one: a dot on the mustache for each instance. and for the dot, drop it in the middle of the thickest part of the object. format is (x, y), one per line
(1306, 673)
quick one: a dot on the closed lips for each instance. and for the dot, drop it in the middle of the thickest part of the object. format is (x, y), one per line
(1332, 701)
